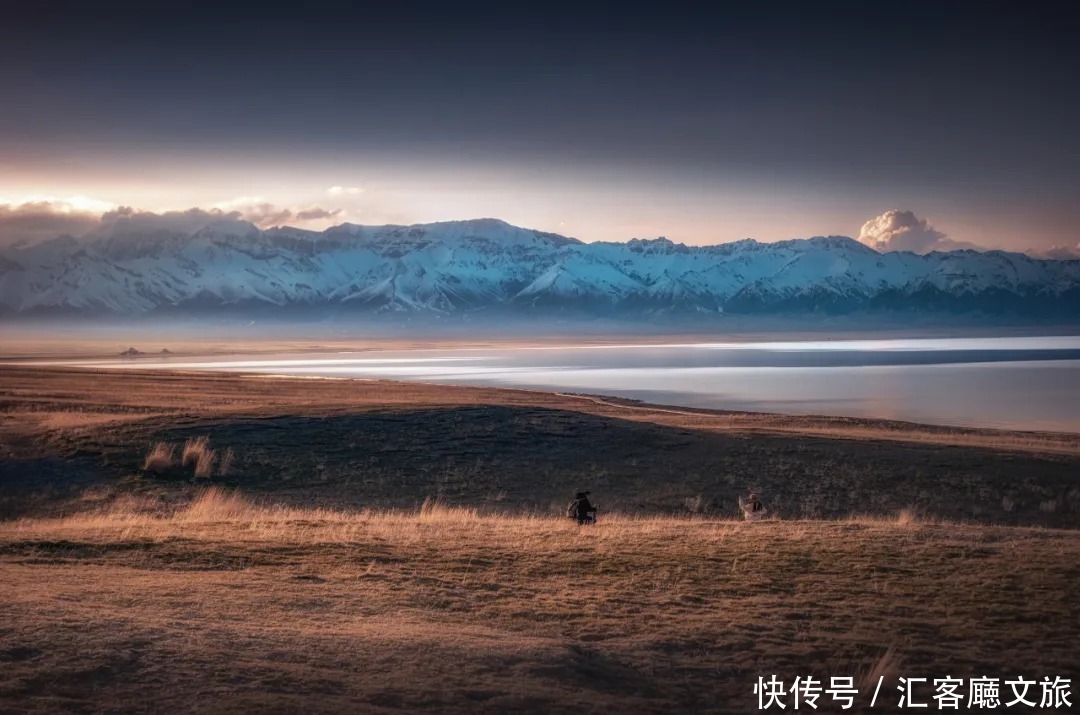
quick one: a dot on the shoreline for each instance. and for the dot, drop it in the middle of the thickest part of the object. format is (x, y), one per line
(104, 342)
(833, 426)
(375, 360)
(388, 444)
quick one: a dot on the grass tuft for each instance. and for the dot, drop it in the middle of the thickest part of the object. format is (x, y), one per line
(215, 504)
(885, 669)
(197, 453)
(225, 465)
(159, 458)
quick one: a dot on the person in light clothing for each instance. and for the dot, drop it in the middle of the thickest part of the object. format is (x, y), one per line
(752, 508)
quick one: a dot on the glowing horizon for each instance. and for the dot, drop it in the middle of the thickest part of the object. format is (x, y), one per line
(582, 216)
(776, 131)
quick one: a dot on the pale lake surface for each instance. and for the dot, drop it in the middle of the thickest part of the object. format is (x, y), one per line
(1030, 383)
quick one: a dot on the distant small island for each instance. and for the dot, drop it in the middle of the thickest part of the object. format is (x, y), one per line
(132, 352)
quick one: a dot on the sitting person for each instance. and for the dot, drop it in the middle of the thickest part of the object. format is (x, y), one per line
(580, 509)
(752, 508)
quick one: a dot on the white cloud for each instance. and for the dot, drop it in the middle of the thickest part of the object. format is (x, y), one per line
(897, 230)
(340, 190)
(38, 220)
(61, 204)
(266, 215)
(1058, 252)
(128, 221)
(317, 213)
(238, 202)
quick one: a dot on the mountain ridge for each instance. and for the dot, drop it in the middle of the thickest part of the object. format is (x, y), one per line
(478, 265)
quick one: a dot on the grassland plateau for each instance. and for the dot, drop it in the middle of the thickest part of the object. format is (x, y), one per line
(178, 542)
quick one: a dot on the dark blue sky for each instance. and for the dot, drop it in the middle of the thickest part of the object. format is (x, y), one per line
(815, 112)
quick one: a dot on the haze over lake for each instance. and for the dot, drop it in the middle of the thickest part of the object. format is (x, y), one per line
(1011, 382)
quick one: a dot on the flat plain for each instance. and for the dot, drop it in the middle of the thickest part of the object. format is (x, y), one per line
(358, 546)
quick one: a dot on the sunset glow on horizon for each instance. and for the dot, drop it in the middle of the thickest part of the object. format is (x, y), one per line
(580, 128)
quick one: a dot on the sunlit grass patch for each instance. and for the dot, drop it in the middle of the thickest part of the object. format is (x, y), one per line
(198, 454)
(160, 457)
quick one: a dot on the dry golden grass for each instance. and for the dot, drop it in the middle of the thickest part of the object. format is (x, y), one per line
(364, 443)
(160, 457)
(89, 397)
(148, 595)
(194, 453)
(886, 668)
(905, 517)
(225, 604)
(197, 453)
(225, 465)
(848, 428)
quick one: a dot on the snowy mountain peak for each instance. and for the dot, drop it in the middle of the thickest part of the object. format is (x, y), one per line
(490, 265)
(659, 245)
(837, 243)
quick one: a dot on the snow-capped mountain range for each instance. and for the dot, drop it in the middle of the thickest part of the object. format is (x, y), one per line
(488, 265)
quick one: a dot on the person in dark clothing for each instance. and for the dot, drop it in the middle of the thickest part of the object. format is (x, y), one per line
(581, 509)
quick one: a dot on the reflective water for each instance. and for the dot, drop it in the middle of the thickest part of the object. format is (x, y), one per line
(1018, 383)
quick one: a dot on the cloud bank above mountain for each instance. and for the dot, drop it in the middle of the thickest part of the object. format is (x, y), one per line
(1061, 253)
(51, 217)
(44, 218)
(897, 230)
